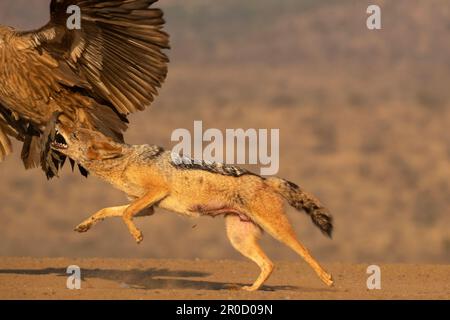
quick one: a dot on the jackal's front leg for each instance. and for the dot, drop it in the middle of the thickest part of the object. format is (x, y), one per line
(138, 205)
(108, 213)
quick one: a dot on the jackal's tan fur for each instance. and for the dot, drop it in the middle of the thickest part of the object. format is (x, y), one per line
(152, 177)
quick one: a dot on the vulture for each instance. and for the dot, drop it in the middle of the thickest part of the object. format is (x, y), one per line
(93, 76)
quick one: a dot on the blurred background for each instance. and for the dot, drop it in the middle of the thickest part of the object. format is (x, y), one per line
(363, 118)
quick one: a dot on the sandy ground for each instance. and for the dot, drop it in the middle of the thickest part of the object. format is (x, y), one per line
(31, 278)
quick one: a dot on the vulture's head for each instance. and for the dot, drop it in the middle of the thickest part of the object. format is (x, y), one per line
(84, 145)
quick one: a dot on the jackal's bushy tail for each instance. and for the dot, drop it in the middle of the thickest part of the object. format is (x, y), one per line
(302, 200)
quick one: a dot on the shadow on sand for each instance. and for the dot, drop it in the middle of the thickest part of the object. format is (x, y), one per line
(151, 279)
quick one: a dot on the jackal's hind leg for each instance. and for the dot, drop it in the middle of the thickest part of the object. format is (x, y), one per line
(278, 226)
(244, 236)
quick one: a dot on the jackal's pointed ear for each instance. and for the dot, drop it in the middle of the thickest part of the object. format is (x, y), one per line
(103, 151)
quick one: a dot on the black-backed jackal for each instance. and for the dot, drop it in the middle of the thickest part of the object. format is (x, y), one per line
(152, 177)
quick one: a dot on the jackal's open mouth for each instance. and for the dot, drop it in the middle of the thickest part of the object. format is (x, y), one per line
(59, 142)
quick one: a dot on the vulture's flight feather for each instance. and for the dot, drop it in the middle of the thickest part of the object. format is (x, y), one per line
(92, 77)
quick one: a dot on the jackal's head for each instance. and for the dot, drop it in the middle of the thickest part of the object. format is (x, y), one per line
(84, 145)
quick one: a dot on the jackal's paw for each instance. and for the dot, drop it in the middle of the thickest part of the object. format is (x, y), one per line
(249, 288)
(138, 236)
(83, 227)
(327, 279)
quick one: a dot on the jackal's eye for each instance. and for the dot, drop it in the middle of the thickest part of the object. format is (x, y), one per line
(74, 135)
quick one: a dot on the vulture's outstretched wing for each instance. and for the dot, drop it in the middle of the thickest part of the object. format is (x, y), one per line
(93, 76)
(116, 56)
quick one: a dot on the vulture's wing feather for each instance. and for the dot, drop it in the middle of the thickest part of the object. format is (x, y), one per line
(9, 126)
(118, 54)
(5, 143)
